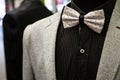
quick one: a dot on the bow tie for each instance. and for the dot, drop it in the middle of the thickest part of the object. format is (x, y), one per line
(94, 19)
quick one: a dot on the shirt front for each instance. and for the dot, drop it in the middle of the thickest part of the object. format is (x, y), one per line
(78, 49)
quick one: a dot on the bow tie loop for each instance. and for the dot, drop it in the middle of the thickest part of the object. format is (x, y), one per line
(94, 20)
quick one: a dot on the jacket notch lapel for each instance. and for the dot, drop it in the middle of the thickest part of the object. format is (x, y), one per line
(49, 46)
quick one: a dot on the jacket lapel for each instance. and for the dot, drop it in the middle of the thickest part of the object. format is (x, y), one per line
(110, 58)
(49, 46)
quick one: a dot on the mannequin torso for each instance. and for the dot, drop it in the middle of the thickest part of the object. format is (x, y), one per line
(88, 5)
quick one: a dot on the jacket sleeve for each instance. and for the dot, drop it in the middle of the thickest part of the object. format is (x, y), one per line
(27, 65)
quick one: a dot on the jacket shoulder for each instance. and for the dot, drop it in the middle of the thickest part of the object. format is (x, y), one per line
(28, 13)
(45, 21)
(39, 26)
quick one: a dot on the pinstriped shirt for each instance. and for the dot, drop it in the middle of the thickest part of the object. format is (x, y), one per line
(78, 49)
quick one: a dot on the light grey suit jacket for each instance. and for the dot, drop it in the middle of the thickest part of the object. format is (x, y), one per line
(39, 49)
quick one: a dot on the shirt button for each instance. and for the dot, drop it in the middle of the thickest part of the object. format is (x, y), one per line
(82, 51)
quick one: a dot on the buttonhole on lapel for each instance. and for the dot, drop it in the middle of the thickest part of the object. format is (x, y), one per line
(118, 27)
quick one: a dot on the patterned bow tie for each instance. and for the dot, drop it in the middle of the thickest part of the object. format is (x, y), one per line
(94, 20)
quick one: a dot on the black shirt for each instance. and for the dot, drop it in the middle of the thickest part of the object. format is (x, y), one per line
(78, 49)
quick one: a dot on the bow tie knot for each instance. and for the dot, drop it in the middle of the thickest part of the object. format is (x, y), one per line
(81, 19)
(94, 19)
